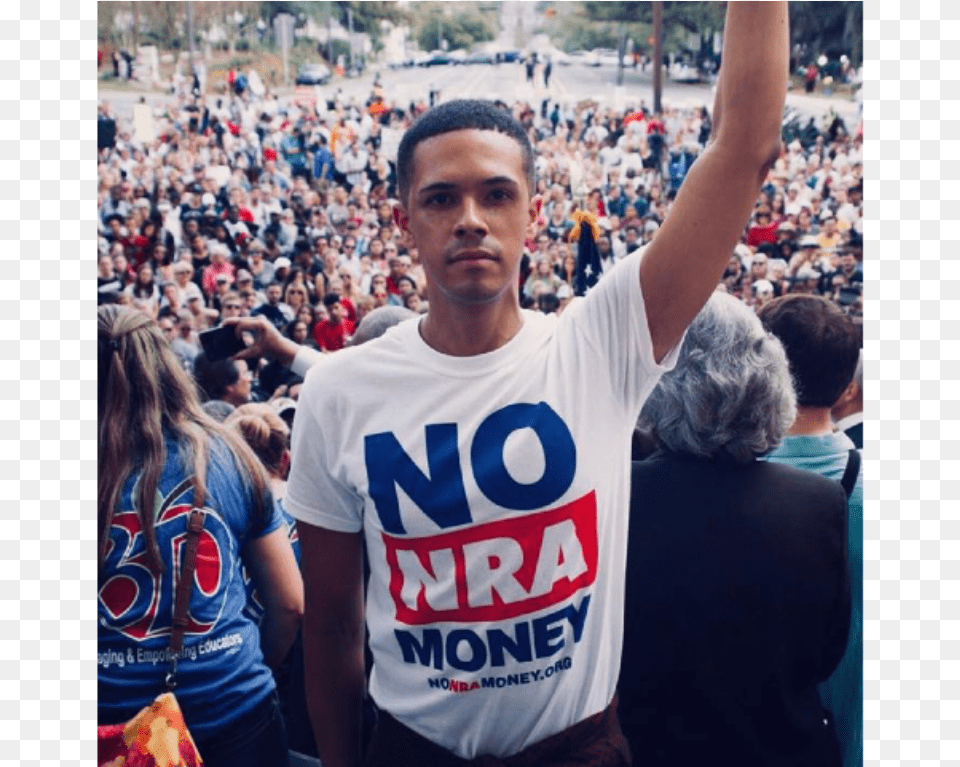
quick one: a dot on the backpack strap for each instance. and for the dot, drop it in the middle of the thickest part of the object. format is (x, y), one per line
(852, 471)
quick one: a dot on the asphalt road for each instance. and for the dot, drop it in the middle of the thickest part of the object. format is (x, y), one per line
(568, 84)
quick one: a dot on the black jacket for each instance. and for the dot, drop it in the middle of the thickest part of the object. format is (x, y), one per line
(737, 605)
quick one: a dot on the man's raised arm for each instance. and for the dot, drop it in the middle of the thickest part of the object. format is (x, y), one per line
(683, 264)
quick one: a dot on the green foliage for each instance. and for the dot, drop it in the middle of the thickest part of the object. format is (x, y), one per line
(833, 28)
(828, 27)
(462, 29)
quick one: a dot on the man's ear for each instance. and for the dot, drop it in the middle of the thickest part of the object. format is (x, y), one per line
(402, 220)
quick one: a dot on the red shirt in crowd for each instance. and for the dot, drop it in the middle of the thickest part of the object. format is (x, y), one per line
(330, 336)
(757, 235)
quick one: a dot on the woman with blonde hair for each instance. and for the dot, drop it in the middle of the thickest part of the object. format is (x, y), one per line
(160, 457)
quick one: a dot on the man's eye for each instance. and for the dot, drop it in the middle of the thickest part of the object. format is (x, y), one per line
(500, 195)
(438, 199)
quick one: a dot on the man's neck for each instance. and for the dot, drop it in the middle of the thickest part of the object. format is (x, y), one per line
(811, 422)
(473, 331)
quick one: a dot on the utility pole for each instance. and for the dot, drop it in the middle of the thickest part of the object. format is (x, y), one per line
(620, 51)
(657, 55)
(329, 33)
(350, 26)
(191, 36)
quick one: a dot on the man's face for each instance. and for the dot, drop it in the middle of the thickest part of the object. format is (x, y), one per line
(232, 307)
(336, 312)
(168, 328)
(603, 246)
(273, 294)
(238, 393)
(468, 212)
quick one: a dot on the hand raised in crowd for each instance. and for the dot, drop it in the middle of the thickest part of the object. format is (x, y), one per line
(268, 342)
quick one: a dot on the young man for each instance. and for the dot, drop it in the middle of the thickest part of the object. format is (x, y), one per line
(493, 502)
(332, 334)
(823, 348)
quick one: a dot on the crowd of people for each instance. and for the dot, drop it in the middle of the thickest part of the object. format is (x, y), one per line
(244, 204)
(282, 217)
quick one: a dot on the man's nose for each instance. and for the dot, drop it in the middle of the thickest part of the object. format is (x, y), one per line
(471, 221)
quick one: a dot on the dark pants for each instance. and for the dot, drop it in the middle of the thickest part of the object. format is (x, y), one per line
(594, 742)
(256, 739)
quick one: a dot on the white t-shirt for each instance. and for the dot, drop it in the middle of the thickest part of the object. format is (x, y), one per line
(493, 493)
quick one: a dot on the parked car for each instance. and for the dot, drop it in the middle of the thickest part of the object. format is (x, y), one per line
(313, 74)
(436, 58)
(682, 72)
(509, 56)
(479, 57)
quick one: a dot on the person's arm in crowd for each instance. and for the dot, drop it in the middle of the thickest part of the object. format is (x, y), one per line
(273, 567)
(270, 343)
(333, 641)
(683, 263)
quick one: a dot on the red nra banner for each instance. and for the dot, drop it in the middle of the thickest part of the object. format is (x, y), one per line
(495, 571)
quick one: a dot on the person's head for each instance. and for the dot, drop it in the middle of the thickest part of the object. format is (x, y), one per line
(466, 206)
(729, 397)
(299, 331)
(231, 305)
(273, 293)
(120, 263)
(822, 343)
(105, 266)
(334, 308)
(758, 266)
(168, 326)
(227, 379)
(143, 395)
(378, 282)
(296, 295)
(266, 433)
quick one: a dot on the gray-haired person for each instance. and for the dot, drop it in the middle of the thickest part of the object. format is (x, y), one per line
(738, 593)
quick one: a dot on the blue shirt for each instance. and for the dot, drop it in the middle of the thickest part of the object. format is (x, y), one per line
(321, 157)
(222, 675)
(842, 693)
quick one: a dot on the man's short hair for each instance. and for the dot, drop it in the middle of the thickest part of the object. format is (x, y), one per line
(460, 114)
(213, 378)
(822, 344)
(330, 299)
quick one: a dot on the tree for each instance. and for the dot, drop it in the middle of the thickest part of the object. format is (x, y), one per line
(463, 29)
(831, 28)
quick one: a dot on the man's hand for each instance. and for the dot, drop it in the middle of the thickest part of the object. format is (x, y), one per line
(267, 340)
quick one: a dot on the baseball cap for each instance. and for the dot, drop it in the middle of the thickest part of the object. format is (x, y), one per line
(809, 241)
(208, 199)
(282, 263)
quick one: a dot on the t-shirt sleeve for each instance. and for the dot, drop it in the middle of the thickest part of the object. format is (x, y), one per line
(315, 494)
(613, 321)
(304, 359)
